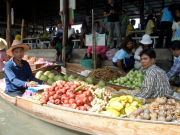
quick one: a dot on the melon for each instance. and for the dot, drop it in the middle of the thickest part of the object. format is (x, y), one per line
(51, 75)
(39, 74)
(44, 78)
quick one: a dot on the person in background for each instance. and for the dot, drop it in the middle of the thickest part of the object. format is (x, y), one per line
(59, 33)
(175, 49)
(124, 23)
(156, 83)
(53, 33)
(105, 23)
(145, 43)
(176, 15)
(58, 47)
(45, 34)
(18, 74)
(84, 30)
(158, 23)
(3, 56)
(150, 27)
(112, 11)
(30, 35)
(77, 34)
(100, 50)
(99, 29)
(166, 25)
(123, 59)
(130, 27)
(18, 36)
(71, 35)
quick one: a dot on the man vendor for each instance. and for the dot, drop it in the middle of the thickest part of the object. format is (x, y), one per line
(18, 74)
(156, 83)
(175, 49)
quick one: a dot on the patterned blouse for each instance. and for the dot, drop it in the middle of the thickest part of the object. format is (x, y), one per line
(155, 84)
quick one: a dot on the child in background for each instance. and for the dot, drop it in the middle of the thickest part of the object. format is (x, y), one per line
(123, 59)
(3, 56)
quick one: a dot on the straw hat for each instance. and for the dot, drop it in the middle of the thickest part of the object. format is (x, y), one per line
(146, 40)
(3, 43)
(17, 44)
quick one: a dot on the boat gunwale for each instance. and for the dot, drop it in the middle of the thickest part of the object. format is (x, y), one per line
(101, 115)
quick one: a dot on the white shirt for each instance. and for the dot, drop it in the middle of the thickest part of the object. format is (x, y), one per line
(71, 31)
(137, 53)
(175, 25)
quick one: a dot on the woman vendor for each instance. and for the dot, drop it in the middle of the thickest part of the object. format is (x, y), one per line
(3, 56)
(18, 74)
(123, 59)
(156, 83)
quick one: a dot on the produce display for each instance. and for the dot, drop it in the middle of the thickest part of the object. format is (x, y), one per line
(133, 79)
(123, 105)
(103, 74)
(68, 94)
(37, 97)
(162, 109)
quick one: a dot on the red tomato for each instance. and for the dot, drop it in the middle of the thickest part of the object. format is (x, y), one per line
(88, 93)
(86, 88)
(46, 90)
(74, 106)
(59, 85)
(44, 101)
(87, 107)
(56, 96)
(66, 101)
(71, 101)
(62, 82)
(51, 93)
(63, 90)
(67, 86)
(59, 92)
(72, 95)
(71, 83)
(56, 88)
(57, 101)
(84, 99)
(46, 97)
(52, 101)
(51, 89)
(78, 102)
(51, 97)
(82, 108)
(79, 92)
(90, 98)
(54, 84)
(74, 87)
(78, 83)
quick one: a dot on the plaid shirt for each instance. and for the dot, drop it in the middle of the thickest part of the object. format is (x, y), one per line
(175, 68)
(155, 83)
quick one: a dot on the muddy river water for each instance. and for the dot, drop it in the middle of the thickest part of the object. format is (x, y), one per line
(15, 122)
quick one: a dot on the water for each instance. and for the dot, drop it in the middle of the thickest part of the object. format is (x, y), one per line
(15, 122)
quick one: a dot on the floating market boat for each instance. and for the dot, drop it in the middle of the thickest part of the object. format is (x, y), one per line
(88, 122)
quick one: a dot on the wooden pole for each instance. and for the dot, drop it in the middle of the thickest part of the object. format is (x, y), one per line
(8, 31)
(65, 27)
(22, 30)
(141, 3)
(94, 37)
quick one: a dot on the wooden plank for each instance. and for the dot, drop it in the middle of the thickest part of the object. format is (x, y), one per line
(22, 30)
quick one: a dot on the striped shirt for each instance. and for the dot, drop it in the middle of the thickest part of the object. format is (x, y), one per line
(155, 84)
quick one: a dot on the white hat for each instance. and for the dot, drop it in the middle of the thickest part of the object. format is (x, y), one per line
(146, 40)
(3, 43)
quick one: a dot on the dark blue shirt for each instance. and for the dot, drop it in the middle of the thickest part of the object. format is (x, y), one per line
(16, 76)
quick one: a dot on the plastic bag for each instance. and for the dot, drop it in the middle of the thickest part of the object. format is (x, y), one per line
(176, 35)
(110, 54)
(28, 93)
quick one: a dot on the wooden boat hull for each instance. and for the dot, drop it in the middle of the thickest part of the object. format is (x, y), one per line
(95, 123)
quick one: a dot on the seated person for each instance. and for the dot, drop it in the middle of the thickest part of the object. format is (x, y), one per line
(130, 27)
(175, 49)
(18, 36)
(59, 48)
(99, 29)
(156, 83)
(100, 50)
(18, 74)
(71, 35)
(123, 59)
(145, 43)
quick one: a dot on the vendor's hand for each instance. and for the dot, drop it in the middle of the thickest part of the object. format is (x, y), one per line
(31, 84)
(110, 12)
(122, 72)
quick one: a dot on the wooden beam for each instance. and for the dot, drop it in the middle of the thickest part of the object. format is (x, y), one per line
(8, 31)
(141, 3)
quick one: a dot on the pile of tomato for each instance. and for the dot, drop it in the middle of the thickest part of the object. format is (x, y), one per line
(68, 94)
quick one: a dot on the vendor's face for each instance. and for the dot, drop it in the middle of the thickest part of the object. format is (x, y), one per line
(146, 46)
(110, 1)
(18, 53)
(177, 13)
(129, 45)
(146, 61)
(175, 52)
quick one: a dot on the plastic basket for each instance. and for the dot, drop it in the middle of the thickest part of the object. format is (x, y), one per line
(87, 63)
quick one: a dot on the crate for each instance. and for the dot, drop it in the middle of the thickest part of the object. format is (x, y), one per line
(36, 66)
(89, 63)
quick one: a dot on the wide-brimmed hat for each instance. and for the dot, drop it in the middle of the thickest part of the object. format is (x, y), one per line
(17, 44)
(146, 40)
(3, 43)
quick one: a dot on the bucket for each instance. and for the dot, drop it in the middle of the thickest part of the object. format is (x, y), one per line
(87, 63)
